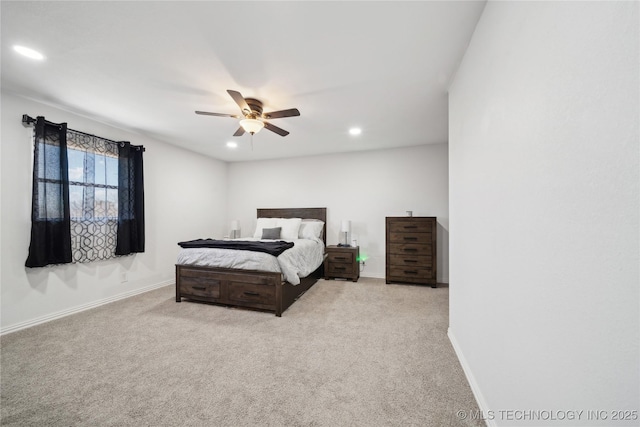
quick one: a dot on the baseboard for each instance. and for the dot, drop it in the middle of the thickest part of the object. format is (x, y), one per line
(482, 404)
(443, 281)
(83, 307)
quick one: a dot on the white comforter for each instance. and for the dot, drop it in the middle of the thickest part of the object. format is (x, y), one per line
(300, 261)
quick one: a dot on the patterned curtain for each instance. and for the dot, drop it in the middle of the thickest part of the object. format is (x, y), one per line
(130, 200)
(93, 193)
(50, 218)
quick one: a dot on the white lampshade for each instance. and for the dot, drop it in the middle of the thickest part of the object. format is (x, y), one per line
(235, 229)
(251, 125)
(346, 226)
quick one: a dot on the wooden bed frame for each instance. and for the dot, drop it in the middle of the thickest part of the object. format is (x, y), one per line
(261, 290)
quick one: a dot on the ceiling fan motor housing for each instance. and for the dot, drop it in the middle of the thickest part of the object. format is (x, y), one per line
(255, 105)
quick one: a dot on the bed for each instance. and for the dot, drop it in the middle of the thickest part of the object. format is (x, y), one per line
(253, 288)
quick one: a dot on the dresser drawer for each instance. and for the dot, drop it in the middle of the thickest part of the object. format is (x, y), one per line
(410, 238)
(252, 295)
(410, 226)
(340, 257)
(403, 273)
(410, 261)
(410, 249)
(340, 269)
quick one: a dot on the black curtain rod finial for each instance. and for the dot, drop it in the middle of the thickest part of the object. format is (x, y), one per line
(27, 121)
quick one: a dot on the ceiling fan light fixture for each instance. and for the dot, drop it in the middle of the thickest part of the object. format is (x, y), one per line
(251, 125)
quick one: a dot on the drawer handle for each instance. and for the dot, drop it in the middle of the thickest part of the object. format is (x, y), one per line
(340, 257)
(410, 261)
(199, 288)
(252, 294)
(410, 272)
(410, 250)
(339, 268)
(410, 226)
(411, 238)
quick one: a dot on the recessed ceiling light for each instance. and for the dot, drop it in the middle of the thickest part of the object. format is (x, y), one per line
(355, 131)
(232, 144)
(28, 52)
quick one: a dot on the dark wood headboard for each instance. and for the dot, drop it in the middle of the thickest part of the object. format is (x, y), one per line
(305, 213)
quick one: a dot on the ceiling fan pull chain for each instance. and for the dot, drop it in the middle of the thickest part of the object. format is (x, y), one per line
(251, 142)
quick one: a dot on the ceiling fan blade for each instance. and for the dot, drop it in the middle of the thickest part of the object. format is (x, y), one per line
(206, 113)
(237, 96)
(275, 129)
(239, 132)
(282, 113)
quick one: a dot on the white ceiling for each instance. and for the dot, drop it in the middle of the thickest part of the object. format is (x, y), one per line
(147, 66)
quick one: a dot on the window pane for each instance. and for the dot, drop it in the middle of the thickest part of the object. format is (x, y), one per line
(100, 169)
(76, 165)
(112, 203)
(112, 170)
(76, 193)
(88, 203)
(100, 202)
(90, 167)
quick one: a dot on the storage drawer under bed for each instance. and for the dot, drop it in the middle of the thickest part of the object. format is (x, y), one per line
(229, 287)
(252, 295)
(199, 283)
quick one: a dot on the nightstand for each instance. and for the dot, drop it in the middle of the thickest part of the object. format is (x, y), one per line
(342, 263)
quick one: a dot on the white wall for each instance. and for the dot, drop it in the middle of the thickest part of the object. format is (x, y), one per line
(544, 187)
(363, 187)
(185, 196)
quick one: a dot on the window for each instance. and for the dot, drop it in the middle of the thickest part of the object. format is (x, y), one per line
(88, 197)
(93, 184)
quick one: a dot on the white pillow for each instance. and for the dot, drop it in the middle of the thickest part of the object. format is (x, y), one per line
(311, 229)
(263, 223)
(290, 227)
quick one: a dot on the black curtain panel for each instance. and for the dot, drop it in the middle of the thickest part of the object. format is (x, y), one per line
(130, 199)
(50, 217)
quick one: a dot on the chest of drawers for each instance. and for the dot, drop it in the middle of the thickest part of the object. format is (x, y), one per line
(411, 250)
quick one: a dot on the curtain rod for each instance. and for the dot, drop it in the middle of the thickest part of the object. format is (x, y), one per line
(28, 120)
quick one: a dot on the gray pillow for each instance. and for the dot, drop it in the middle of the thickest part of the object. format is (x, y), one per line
(271, 233)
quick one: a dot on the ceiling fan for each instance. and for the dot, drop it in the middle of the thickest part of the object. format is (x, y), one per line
(254, 118)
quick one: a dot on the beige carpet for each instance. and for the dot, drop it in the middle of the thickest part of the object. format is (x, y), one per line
(345, 354)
